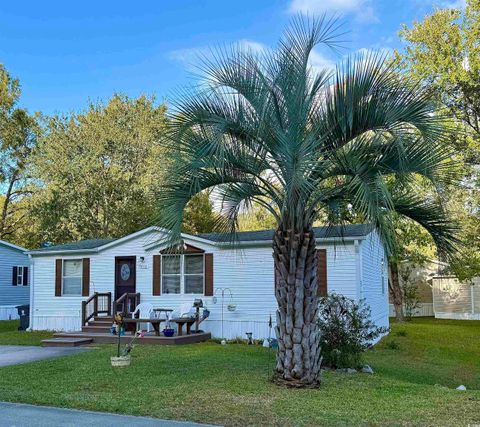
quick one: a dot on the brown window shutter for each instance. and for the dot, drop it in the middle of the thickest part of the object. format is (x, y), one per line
(156, 275)
(322, 272)
(208, 275)
(86, 277)
(14, 276)
(58, 277)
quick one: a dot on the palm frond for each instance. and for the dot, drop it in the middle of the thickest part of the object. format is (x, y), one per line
(265, 127)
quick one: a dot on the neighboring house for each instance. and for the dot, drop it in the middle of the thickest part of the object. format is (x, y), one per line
(351, 262)
(14, 280)
(453, 299)
(421, 277)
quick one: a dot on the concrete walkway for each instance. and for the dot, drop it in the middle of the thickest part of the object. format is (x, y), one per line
(17, 354)
(20, 415)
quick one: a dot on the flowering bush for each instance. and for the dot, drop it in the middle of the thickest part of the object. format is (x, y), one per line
(346, 331)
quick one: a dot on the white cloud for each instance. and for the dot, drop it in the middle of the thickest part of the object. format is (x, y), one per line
(320, 62)
(251, 45)
(361, 9)
(190, 57)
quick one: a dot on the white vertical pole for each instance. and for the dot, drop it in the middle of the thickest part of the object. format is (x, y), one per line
(223, 294)
(472, 296)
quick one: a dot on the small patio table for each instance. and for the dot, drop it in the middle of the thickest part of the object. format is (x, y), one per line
(188, 321)
(158, 312)
(155, 323)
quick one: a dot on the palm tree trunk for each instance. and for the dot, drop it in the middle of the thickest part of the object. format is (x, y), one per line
(298, 355)
(396, 291)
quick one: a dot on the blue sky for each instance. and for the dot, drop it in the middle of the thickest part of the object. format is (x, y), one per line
(67, 52)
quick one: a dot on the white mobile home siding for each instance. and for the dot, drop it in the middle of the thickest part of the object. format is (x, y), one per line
(374, 278)
(453, 299)
(247, 272)
(11, 296)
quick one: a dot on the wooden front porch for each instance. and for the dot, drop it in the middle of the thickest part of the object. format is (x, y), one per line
(97, 320)
(67, 338)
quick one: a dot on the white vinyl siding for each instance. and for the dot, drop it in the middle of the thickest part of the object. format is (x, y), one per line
(11, 296)
(373, 278)
(453, 299)
(247, 272)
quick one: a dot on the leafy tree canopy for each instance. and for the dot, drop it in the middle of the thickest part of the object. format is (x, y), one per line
(18, 137)
(443, 52)
(199, 215)
(99, 170)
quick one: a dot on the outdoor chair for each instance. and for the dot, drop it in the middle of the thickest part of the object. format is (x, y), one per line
(145, 311)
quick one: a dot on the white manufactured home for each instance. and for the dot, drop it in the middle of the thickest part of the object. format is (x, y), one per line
(352, 262)
(453, 299)
(14, 280)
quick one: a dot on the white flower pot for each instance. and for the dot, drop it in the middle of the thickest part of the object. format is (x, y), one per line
(120, 361)
(231, 307)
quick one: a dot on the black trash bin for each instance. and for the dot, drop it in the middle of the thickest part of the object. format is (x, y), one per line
(24, 313)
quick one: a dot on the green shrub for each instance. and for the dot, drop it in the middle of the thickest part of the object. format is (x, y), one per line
(346, 331)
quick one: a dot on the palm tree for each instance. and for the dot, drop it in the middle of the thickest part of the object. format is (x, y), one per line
(267, 128)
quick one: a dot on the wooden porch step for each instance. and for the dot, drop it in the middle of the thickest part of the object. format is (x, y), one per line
(103, 318)
(96, 328)
(108, 338)
(66, 342)
(105, 323)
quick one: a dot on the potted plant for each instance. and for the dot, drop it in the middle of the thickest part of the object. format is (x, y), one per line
(123, 354)
(168, 331)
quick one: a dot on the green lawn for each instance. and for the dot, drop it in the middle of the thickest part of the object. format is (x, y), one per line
(412, 385)
(10, 335)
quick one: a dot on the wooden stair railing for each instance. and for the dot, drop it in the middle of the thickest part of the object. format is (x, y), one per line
(127, 303)
(98, 303)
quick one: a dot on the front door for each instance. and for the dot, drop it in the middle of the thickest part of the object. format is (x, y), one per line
(124, 275)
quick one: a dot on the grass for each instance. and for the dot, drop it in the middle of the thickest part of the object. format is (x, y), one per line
(412, 385)
(9, 334)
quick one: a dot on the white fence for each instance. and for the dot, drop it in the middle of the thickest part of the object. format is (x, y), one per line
(425, 309)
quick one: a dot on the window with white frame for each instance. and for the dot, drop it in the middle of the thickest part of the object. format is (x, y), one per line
(72, 277)
(193, 274)
(183, 274)
(171, 274)
(20, 275)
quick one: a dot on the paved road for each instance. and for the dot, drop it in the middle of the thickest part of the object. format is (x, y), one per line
(20, 415)
(17, 354)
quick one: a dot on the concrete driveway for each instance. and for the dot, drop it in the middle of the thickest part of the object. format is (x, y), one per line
(17, 354)
(19, 415)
